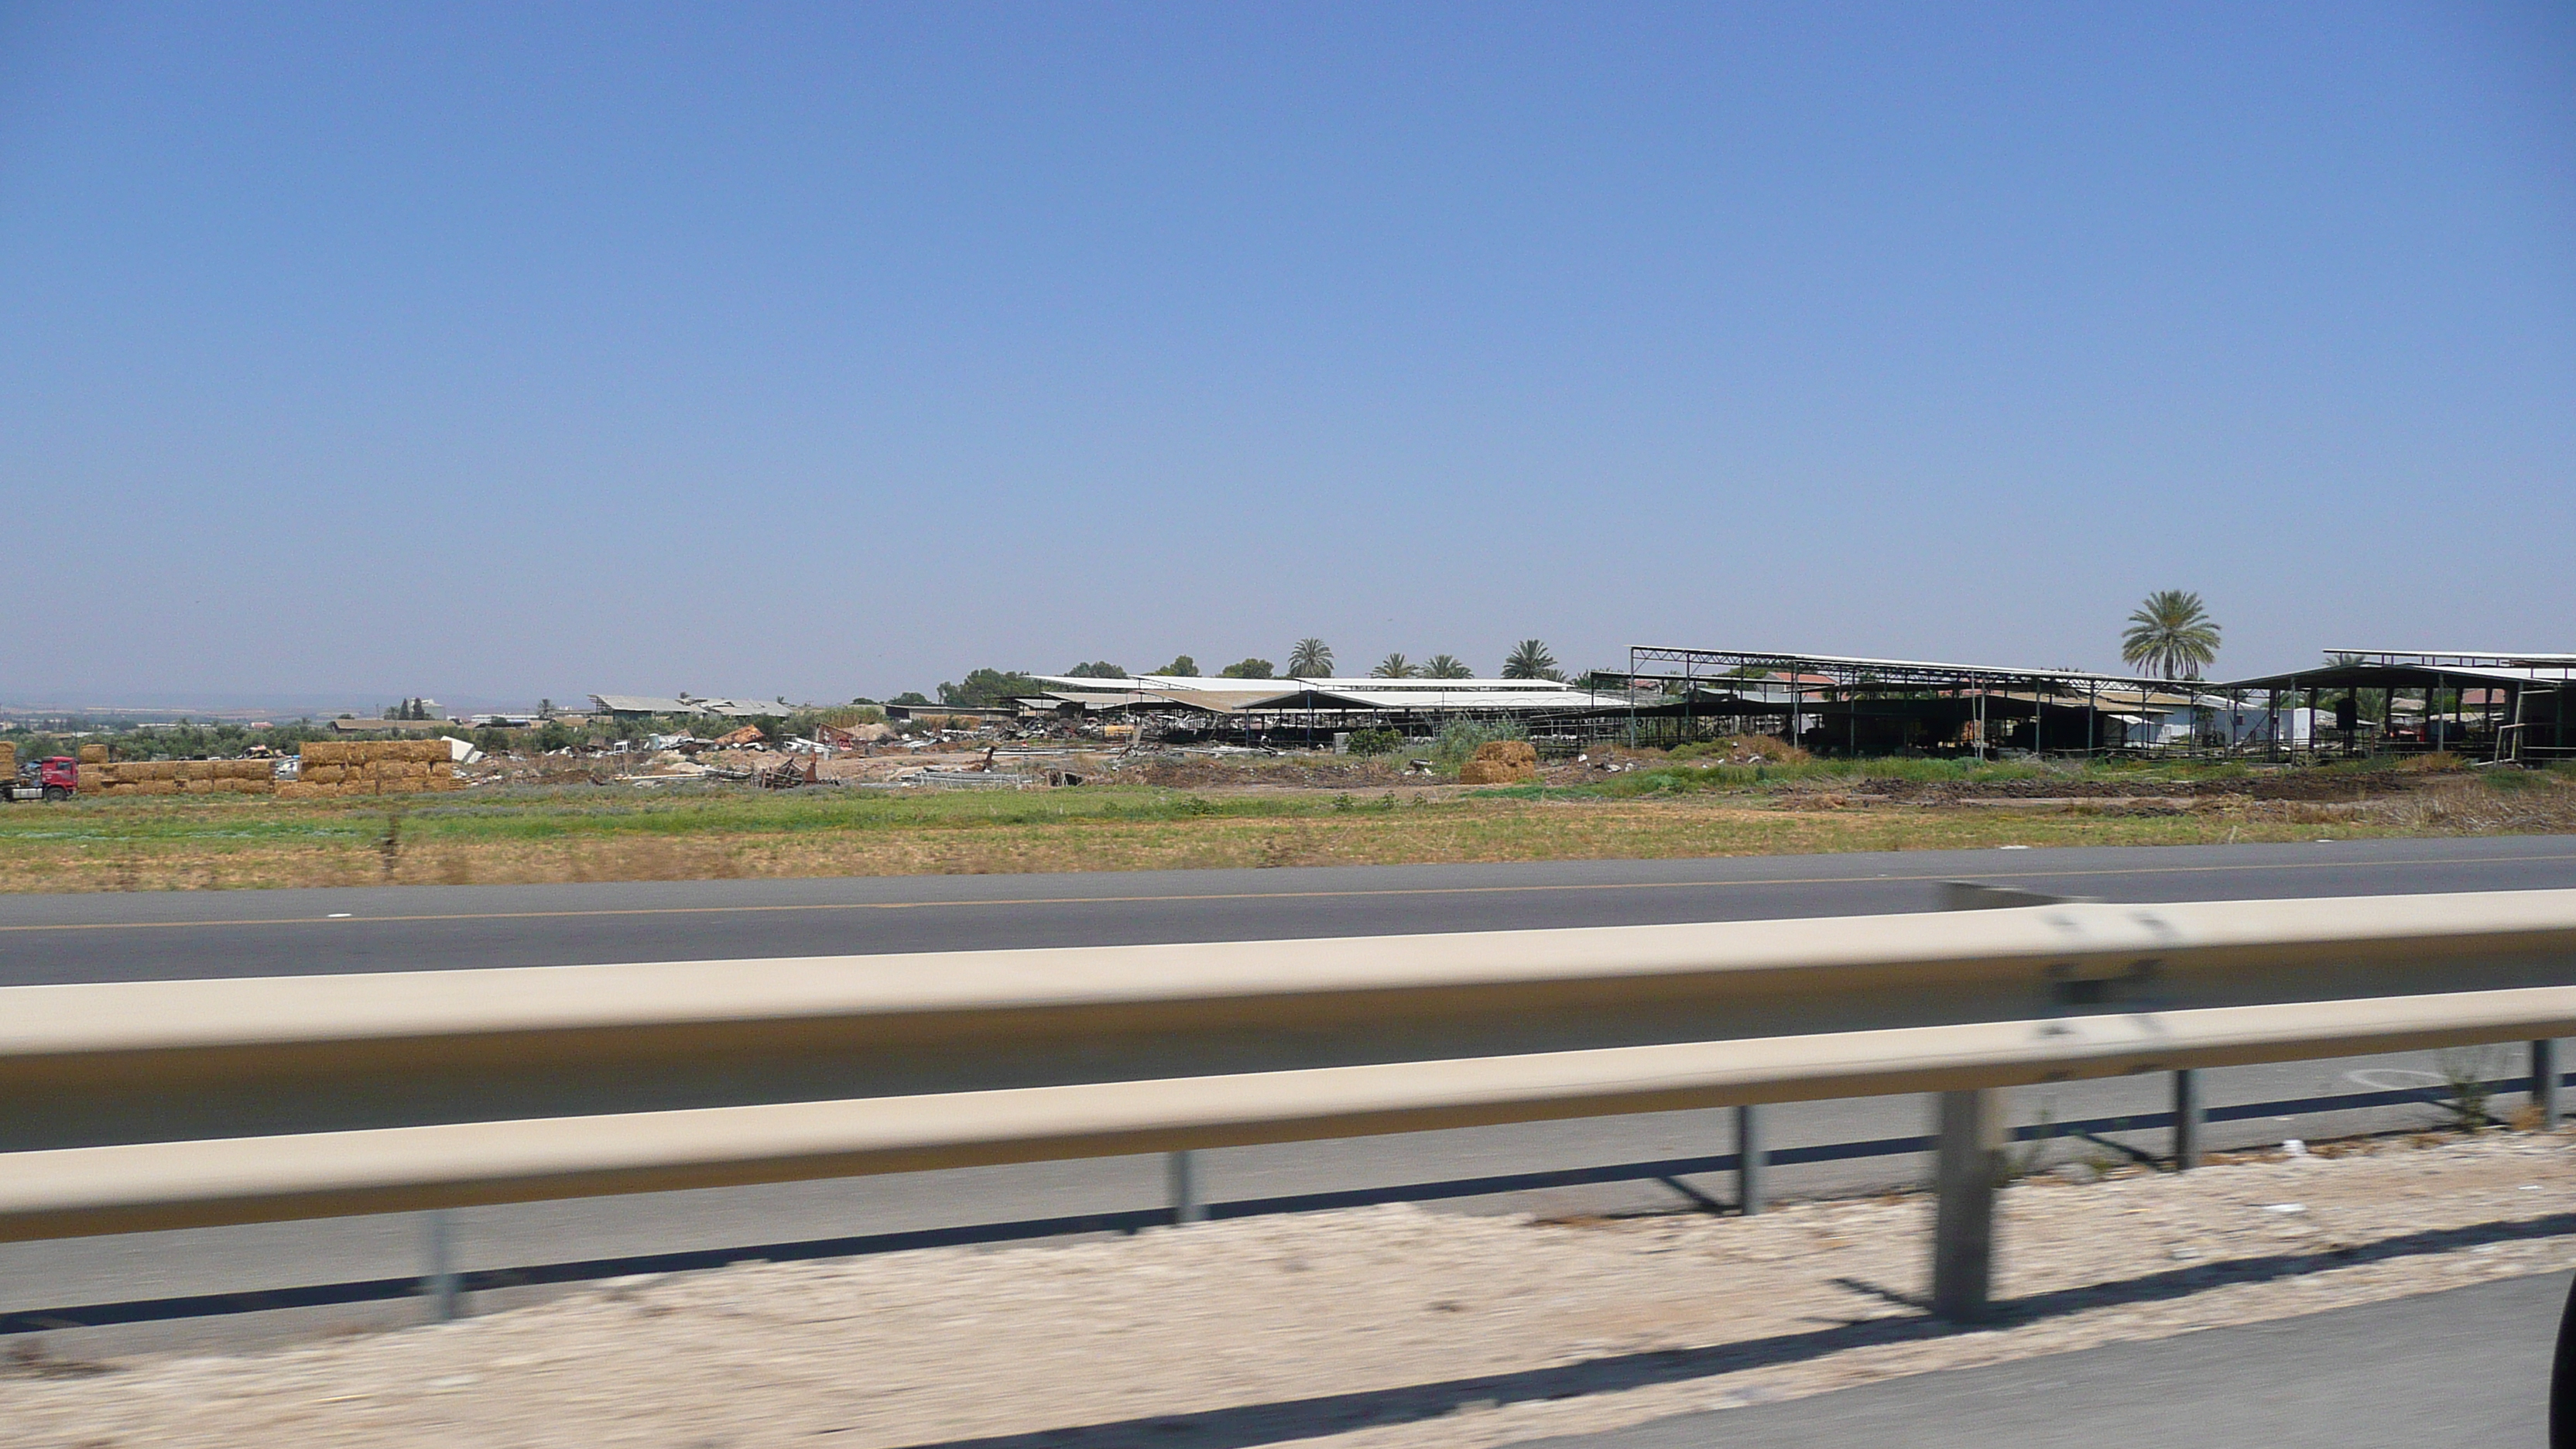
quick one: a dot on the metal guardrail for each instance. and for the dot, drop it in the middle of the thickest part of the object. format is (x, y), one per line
(318, 1096)
(1128, 1220)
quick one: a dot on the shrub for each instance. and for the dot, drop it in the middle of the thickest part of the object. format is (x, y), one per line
(1376, 742)
(1459, 738)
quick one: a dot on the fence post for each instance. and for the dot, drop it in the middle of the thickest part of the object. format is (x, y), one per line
(2189, 1115)
(1181, 1171)
(1963, 1231)
(1751, 1157)
(2544, 1081)
(438, 1251)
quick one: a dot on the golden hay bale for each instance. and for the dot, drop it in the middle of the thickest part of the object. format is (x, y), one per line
(8, 758)
(321, 752)
(259, 787)
(89, 754)
(429, 751)
(1495, 772)
(442, 769)
(93, 777)
(322, 774)
(444, 782)
(402, 770)
(296, 790)
(156, 787)
(1508, 752)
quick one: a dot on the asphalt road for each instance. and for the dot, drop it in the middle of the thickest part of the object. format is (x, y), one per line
(146, 936)
(116, 937)
(2468, 1366)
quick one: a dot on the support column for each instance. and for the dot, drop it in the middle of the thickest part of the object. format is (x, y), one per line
(2544, 1082)
(1181, 1172)
(2190, 1114)
(438, 1263)
(1752, 1160)
(1963, 1232)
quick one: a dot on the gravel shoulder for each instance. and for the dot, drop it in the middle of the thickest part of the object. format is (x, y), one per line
(1385, 1327)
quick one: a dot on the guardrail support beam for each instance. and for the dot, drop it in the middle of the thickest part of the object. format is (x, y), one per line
(1963, 1233)
(1751, 1160)
(438, 1265)
(1181, 1171)
(2544, 1082)
(2190, 1114)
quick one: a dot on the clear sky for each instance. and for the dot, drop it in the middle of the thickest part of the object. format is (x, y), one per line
(501, 351)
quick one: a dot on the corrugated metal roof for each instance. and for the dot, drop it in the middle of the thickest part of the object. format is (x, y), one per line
(1220, 684)
(1552, 698)
(2471, 657)
(640, 704)
(2396, 676)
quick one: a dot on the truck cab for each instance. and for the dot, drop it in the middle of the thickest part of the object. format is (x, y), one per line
(57, 778)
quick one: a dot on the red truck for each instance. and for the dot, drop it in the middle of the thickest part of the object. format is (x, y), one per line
(54, 779)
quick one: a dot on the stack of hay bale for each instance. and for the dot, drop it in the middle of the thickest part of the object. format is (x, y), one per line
(8, 759)
(101, 776)
(1500, 762)
(371, 767)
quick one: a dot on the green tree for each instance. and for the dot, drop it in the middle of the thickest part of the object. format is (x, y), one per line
(1394, 666)
(1446, 666)
(1311, 659)
(2171, 635)
(1096, 669)
(1249, 669)
(1530, 659)
(910, 696)
(985, 688)
(1181, 667)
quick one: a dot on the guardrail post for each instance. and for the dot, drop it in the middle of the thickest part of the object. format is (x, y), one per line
(2544, 1081)
(2189, 1116)
(1181, 1171)
(438, 1252)
(1963, 1231)
(1751, 1157)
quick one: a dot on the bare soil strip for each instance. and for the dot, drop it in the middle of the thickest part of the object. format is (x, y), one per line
(1386, 1327)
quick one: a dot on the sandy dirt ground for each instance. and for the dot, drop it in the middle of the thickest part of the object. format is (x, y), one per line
(1387, 1327)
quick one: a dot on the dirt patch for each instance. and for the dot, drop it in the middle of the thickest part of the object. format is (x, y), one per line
(1389, 1327)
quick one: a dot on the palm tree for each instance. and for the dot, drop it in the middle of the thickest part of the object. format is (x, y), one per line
(1394, 666)
(1311, 659)
(1529, 659)
(2171, 634)
(1446, 666)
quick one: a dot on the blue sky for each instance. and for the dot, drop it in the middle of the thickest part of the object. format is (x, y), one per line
(505, 351)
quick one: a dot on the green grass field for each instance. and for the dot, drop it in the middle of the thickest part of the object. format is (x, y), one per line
(696, 831)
